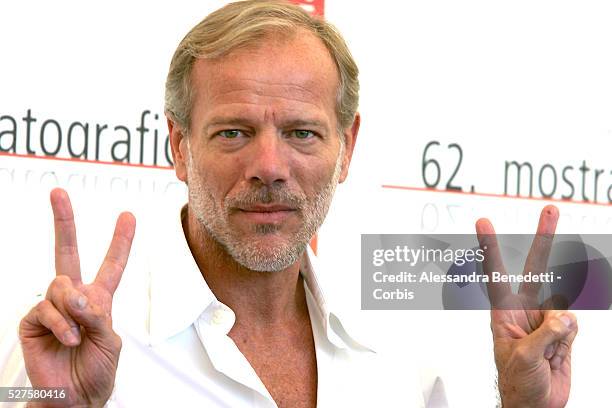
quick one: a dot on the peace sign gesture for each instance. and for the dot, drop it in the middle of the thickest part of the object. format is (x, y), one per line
(532, 345)
(67, 339)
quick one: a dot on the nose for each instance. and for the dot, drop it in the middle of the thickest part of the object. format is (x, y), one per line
(268, 162)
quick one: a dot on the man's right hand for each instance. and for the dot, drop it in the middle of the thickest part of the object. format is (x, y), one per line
(67, 339)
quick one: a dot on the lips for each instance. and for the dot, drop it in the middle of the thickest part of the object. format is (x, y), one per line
(266, 214)
(267, 208)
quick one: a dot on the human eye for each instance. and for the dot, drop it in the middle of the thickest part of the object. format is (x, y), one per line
(303, 134)
(229, 134)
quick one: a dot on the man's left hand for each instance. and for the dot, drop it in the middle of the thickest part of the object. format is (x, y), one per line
(532, 346)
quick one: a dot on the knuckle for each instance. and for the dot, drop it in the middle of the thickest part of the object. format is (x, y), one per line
(42, 306)
(34, 314)
(21, 333)
(63, 281)
(563, 349)
(522, 354)
(573, 320)
(557, 327)
(58, 284)
(68, 250)
(546, 239)
(117, 342)
(22, 326)
(46, 315)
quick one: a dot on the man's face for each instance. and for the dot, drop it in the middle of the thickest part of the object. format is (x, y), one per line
(264, 154)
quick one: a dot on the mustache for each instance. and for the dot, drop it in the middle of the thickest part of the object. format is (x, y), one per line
(266, 195)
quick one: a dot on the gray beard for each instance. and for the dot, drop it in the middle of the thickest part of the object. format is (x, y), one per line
(246, 252)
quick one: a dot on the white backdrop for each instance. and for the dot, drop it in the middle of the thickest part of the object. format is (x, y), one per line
(526, 81)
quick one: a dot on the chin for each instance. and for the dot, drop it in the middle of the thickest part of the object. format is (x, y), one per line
(266, 255)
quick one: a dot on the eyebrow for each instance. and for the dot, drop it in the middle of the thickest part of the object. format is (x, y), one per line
(240, 121)
(229, 120)
(296, 123)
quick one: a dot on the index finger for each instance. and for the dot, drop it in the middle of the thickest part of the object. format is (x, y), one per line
(116, 258)
(537, 259)
(66, 250)
(492, 262)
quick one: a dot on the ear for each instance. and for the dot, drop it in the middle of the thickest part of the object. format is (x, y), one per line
(178, 144)
(350, 137)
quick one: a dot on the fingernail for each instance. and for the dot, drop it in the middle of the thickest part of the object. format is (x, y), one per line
(566, 320)
(80, 302)
(76, 332)
(548, 353)
(70, 338)
(555, 363)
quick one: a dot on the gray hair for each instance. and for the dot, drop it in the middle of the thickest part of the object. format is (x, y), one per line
(241, 24)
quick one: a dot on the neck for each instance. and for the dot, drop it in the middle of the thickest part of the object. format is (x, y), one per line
(260, 298)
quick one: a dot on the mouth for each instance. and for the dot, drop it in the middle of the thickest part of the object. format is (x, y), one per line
(266, 214)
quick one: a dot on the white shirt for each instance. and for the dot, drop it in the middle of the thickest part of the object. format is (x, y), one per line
(177, 352)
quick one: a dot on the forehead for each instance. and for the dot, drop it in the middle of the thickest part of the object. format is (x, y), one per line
(297, 68)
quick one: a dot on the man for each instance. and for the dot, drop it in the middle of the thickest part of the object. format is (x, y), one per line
(261, 101)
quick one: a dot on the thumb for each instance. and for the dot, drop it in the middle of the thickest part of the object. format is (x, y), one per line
(91, 316)
(554, 328)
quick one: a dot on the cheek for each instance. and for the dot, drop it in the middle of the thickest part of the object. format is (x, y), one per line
(217, 176)
(315, 175)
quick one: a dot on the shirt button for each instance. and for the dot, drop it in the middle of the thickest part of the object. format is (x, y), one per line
(218, 317)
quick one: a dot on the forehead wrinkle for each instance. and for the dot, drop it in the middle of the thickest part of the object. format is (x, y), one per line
(258, 103)
(269, 89)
